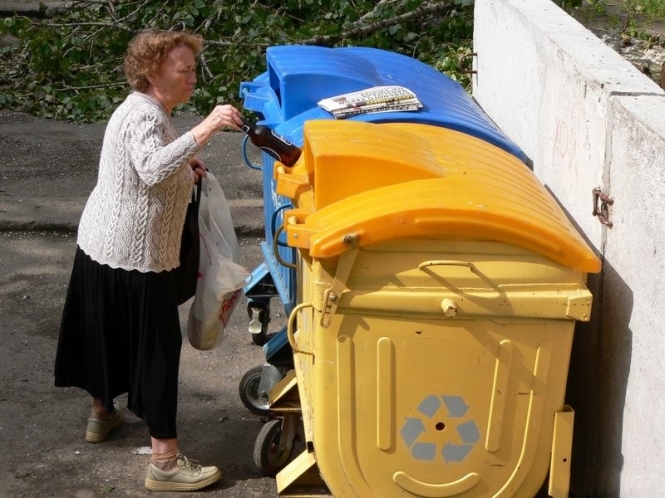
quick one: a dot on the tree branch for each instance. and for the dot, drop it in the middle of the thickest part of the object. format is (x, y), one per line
(131, 14)
(220, 43)
(423, 10)
(161, 9)
(89, 87)
(114, 14)
(206, 68)
(102, 24)
(372, 12)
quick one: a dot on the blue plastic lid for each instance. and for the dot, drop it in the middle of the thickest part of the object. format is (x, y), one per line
(299, 76)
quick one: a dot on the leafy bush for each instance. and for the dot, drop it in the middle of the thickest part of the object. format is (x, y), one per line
(69, 66)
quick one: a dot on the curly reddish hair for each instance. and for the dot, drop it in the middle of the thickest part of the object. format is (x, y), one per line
(148, 50)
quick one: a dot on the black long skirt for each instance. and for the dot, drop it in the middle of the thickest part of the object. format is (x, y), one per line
(120, 333)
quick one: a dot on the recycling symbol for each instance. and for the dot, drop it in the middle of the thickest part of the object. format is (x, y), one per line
(440, 413)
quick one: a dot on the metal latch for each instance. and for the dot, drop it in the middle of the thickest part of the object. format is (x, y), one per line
(333, 294)
(602, 211)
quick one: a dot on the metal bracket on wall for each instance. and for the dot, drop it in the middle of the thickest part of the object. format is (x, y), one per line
(602, 211)
(461, 58)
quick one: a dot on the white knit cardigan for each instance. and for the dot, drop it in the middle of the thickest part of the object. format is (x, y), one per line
(134, 216)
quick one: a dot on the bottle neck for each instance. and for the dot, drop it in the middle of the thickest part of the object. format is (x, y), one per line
(248, 127)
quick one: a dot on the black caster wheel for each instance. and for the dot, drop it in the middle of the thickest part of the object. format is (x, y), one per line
(270, 453)
(255, 401)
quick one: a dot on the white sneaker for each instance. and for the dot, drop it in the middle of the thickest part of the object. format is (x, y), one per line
(186, 476)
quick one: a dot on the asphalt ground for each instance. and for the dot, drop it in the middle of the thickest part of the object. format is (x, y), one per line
(48, 168)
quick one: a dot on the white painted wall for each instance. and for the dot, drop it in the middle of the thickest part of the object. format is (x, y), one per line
(587, 118)
(636, 176)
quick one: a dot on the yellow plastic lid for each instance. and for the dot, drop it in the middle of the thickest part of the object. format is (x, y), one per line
(394, 181)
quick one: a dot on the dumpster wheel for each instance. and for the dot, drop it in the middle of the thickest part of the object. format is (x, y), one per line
(248, 390)
(270, 453)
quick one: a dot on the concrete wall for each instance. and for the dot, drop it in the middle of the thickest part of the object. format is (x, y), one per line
(588, 119)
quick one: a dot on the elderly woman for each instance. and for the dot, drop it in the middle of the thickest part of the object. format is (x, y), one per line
(120, 330)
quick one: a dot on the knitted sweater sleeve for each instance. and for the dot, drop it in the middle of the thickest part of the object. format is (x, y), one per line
(153, 158)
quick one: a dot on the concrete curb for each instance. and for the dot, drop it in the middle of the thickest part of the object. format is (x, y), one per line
(50, 167)
(35, 215)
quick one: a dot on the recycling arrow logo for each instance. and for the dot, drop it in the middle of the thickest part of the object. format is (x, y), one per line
(439, 414)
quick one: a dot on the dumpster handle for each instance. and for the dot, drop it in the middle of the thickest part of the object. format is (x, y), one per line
(275, 246)
(273, 221)
(443, 262)
(289, 328)
(245, 157)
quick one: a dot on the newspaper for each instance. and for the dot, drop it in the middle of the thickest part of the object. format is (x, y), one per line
(388, 98)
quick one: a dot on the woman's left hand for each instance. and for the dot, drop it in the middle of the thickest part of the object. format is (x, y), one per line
(199, 168)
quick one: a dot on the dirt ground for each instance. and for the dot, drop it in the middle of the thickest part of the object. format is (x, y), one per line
(42, 428)
(635, 36)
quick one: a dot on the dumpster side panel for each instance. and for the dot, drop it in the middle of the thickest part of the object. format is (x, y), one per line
(410, 403)
(409, 407)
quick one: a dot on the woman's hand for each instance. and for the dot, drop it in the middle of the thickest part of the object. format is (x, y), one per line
(199, 168)
(222, 116)
(226, 116)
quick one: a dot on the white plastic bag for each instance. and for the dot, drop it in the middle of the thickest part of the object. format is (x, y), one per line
(221, 277)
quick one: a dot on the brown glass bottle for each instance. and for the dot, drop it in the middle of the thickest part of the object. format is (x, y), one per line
(271, 143)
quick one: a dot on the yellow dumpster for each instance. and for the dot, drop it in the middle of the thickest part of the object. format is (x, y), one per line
(438, 288)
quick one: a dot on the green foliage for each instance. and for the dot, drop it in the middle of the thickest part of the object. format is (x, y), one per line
(639, 14)
(568, 4)
(652, 9)
(69, 66)
(632, 17)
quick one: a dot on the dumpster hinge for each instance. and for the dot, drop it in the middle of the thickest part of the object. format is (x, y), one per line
(461, 63)
(333, 294)
(603, 211)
